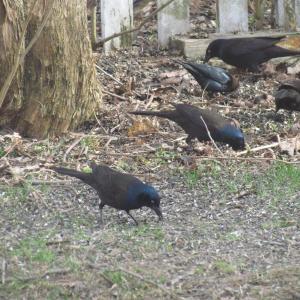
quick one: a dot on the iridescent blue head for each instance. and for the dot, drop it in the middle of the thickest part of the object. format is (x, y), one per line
(233, 136)
(140, 194)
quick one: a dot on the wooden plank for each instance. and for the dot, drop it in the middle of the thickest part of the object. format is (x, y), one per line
(196, 48)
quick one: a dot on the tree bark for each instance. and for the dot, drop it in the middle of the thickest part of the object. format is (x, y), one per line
(11, 21)
(58, 89)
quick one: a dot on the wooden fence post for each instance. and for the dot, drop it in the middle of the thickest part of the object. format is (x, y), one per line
(232, 16)
(116, 16)
(172, 20)
(287, 14)
(297, 13)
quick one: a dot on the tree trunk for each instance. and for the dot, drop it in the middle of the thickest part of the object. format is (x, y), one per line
(11, 21)
(58, 89)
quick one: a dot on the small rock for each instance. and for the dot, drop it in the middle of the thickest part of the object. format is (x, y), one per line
(295, 129)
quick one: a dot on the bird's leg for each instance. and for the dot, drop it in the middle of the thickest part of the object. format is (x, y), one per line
(135, 221)
(101, 205)
(189, 142)
(189, 139)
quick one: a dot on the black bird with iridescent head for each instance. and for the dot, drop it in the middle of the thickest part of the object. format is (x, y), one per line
(210, 78)
(288, 95)
(202, 124)
(250, 53)
(119, 190)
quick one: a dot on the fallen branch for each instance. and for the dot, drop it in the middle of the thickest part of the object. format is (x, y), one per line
(273, 145)
(71, 147)
(102, 41)
(114, 95)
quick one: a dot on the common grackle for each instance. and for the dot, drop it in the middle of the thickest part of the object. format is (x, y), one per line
(248, 53)
(119, 190)
(288, 95)
(211, 78)
(189, 118)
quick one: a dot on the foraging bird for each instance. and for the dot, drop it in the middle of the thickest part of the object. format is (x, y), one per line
(119, 190)
(197, 122)
(249, 53)
(211, 78)
(288, 96)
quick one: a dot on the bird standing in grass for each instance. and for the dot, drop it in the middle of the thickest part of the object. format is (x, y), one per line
(212, 79)
(288, 95)
(249, 53)
(119, 190)
(201, 124)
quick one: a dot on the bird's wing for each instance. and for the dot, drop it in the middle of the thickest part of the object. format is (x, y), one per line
(114, 185)
(210, 72)
(194, 114)
(243, 46)
(293, 83)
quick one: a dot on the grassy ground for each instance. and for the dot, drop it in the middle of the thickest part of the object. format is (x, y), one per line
(230, 230)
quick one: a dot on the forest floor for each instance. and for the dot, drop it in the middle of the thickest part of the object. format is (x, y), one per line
(231, 219)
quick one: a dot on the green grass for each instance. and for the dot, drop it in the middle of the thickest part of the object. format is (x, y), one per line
(19, 193)
(225, 267)
(279, 181)
(163, 156)
(2, 152)
(34, 250)
(279, 223)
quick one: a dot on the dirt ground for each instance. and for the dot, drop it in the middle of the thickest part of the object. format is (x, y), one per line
(231, 219)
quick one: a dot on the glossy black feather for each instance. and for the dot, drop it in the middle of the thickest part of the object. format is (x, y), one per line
(288, 96)
(119, 190)
(189, 118)
(247, 53)
(211, 78)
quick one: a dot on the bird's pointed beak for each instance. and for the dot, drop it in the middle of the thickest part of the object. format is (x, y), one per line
(158, 212)
(207, 58)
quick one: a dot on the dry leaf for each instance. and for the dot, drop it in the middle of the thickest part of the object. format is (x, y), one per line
(291, 147)
(141, 127)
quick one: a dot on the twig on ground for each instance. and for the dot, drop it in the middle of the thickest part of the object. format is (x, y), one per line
(254, 159)
(115, 79)
(99, 123)
(150, 282)
(210, 137)
(273, 145)
(38, 277)
(3, 271)
(150, 101)
(114, 95)
(71, 147)
(109, 75)
(12, 148)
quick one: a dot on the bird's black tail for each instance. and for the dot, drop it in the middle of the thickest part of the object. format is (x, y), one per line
(168, 114)
(85, 177)
(189, 66)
